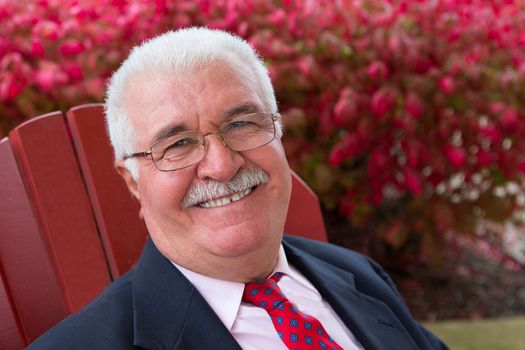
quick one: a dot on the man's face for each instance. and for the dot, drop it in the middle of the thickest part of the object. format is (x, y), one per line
(202, 238)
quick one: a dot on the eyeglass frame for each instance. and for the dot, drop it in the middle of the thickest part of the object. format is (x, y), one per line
(149, 153)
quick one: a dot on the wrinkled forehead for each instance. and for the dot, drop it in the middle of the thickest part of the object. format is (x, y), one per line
(155, 93)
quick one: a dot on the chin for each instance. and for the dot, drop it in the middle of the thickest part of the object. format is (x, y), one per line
(236, 243)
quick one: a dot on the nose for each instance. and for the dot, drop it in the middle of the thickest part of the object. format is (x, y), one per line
(220, 162)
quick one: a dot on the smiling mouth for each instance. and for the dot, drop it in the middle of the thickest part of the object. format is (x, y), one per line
(226, 200)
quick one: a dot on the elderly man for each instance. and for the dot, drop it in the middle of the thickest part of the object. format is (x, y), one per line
(196, 132)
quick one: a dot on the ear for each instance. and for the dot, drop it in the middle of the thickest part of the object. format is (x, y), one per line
(128, 178)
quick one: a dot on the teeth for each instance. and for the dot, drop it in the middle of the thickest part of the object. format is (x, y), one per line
(225, 200)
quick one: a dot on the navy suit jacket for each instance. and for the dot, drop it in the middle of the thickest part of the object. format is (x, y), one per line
(155, 307)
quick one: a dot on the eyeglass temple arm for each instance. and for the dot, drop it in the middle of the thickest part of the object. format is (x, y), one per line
(145, 154)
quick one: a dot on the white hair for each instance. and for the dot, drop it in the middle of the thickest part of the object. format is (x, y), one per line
(180, 52)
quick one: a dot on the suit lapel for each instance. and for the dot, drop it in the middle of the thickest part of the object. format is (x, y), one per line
(369, 319)
(168, 311)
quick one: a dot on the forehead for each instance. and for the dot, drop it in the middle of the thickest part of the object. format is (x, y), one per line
(204, 98)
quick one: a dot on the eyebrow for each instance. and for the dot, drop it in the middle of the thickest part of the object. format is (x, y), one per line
(245, 108)
(169, 131)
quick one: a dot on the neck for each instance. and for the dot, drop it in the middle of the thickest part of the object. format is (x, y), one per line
(242, 270)
(250, 267)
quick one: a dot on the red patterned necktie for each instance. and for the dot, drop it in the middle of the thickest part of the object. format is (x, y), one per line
(297, 330)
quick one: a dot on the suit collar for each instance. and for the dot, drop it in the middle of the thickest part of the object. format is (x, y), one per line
(370, 320)
(168, 312)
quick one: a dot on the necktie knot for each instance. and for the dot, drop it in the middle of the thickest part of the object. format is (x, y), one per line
(265, 294)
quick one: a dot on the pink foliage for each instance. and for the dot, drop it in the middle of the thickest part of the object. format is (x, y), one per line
(383, 101)
(456, 156)
(447, 85)
(414, 106)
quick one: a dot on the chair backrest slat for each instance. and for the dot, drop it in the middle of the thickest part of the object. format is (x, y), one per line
(122, 231)
(29, 272)
(50, 169)
(304, 212)
(11, 333)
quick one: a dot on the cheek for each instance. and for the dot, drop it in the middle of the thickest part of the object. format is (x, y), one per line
(162, 193)
(276, 164)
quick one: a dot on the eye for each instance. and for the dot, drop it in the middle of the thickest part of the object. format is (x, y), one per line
(240, 125)
(179, 148)
(182, 143)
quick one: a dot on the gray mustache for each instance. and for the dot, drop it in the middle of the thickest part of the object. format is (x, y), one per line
(213, 189)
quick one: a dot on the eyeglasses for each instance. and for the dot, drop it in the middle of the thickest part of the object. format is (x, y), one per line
(181, 150)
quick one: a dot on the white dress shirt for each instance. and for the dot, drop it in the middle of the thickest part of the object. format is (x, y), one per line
(251, 326)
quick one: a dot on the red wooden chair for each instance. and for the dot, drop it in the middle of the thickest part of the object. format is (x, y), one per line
(68, 224)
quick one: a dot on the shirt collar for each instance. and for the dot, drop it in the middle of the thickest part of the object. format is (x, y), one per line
(224, 297)
(291, 272)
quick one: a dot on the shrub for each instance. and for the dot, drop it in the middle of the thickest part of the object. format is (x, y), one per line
(404, 116)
